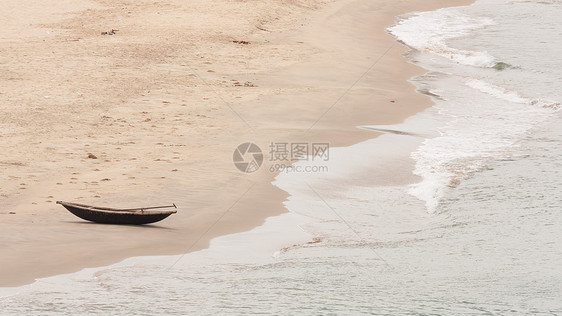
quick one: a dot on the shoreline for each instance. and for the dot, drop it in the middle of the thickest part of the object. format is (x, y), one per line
(280, 96)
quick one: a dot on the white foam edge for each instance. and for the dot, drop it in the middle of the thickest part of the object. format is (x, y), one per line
(436, 33)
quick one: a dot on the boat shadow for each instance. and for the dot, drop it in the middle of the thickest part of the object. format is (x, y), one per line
(143, 226)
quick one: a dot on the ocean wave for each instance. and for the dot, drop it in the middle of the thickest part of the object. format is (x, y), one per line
(484, 122)
(496, 91)
(430, 31)
(511, 96)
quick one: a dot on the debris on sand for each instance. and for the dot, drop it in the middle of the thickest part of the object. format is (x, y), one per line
(245, 84)
(112, 32)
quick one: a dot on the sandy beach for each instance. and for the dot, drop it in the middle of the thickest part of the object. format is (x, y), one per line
(133, 104)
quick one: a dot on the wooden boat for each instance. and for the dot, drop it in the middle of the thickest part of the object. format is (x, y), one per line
(106, 215)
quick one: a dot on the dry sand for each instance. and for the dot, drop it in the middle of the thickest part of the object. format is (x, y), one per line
(163, 100)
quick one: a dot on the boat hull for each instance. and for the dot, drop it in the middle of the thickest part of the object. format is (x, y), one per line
(122, 218)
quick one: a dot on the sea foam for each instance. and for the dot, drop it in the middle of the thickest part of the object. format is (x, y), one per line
(430, 31)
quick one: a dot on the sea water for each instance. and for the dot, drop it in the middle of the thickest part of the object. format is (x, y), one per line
(480, 233)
